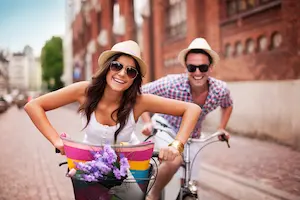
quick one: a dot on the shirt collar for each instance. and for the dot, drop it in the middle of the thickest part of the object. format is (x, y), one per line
(185, 86)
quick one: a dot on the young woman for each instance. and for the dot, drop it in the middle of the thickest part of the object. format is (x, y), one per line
(112, 103)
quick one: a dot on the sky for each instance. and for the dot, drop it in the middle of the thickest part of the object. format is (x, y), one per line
(30, 22)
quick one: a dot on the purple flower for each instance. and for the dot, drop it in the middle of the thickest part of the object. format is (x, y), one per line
(109, 155)
(117, 173)
(105, 163)
(102, 167)
(97, 175)
(89, 177)
(124, 162)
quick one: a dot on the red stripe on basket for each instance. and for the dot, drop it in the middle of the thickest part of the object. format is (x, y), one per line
(82, 154)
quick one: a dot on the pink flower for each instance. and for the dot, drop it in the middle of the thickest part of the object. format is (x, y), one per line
(64, 135)
(71, 173)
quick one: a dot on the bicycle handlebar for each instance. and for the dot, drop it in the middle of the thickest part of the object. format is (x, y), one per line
(195, 140)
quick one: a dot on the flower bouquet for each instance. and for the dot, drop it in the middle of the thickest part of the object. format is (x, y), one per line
(107, 168)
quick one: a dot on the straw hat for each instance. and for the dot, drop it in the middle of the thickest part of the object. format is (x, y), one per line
(199, 43)
(128, 47)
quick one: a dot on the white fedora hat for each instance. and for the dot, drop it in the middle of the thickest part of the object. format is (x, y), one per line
(199, 43)
(128, 47)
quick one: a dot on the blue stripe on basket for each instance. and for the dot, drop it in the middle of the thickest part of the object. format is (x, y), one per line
(140, 175)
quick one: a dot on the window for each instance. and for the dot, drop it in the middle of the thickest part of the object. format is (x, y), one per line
(228, 50)
(239, 48)
(276, 40)
(262, 43)
(250, 46)
(175, 18)
(239, 6)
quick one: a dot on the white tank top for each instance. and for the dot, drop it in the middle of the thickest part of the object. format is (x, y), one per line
(96, 133)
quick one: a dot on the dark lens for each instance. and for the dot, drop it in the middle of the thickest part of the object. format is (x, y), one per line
(131, 72)
(191, 68)
(116, 66)
(203, 68)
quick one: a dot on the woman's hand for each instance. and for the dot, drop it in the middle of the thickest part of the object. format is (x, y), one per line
(60, 146)
(147, 129)
(168, 153)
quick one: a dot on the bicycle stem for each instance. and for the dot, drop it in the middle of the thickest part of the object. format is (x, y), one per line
(187, 164)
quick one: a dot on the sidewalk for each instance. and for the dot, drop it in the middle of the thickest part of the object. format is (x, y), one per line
(252, 169)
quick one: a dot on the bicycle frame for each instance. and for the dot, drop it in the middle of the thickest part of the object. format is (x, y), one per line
(188, 187)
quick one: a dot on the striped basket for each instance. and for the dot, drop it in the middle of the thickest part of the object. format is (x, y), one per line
(138, 157)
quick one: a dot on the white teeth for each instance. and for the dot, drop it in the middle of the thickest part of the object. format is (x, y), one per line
(119, 81)
(198, 78)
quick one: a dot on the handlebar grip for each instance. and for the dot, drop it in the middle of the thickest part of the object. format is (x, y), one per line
(224, 138)
(155, 154)
(57, 150)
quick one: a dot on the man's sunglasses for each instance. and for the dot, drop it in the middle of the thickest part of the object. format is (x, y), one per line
(130, 71)
(202, 68)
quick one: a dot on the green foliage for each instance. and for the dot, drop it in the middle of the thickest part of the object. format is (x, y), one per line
(52, 63)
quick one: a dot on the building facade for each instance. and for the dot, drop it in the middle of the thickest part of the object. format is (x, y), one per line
(96, 26)
(257, 39)
(4, 84)
(24, 70)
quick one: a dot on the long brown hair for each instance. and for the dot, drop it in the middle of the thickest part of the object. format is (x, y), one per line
(95, 91)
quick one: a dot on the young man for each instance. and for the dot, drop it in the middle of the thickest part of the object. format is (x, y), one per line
(194, 86)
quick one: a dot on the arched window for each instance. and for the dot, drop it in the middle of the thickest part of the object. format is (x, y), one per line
(276, 40)
(228, 50)
(250, 46)
(262, 43)
(239, 48)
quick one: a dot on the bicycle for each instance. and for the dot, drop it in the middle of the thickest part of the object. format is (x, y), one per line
(188, 188)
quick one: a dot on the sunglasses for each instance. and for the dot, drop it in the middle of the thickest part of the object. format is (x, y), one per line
(130, 71)
(202, 68)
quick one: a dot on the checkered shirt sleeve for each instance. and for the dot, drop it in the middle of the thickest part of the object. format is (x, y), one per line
(226, 100)
(159, 87)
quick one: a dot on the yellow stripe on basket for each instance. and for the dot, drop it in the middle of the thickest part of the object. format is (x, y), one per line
(71, 163)
(139, 165)
(134, 165)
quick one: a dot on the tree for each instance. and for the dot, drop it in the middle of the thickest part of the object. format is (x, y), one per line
(52, 63)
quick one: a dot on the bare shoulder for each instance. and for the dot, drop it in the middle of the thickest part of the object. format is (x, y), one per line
(79, 89)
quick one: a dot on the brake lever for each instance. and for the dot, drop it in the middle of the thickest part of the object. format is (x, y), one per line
(224, 138)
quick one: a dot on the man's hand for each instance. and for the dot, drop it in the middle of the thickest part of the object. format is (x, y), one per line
(227, 135)
(147, 128)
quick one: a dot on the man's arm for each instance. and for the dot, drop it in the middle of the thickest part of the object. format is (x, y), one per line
(160, 88)
(226, 110)
(225, 115)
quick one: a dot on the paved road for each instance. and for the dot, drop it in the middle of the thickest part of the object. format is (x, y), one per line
(29, 168)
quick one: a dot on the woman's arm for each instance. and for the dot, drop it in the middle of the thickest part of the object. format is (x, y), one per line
(36, 109)
(190, 112)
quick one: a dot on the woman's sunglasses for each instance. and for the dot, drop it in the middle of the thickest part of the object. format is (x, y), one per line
(202, 68)
(130, 71)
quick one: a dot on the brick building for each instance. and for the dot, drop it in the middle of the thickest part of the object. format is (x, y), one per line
(257, 39)
(96, 27)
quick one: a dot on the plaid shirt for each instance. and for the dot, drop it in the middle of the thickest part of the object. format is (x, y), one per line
(176, 86)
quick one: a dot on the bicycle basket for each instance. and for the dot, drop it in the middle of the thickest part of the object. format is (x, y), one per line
(133, 187)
